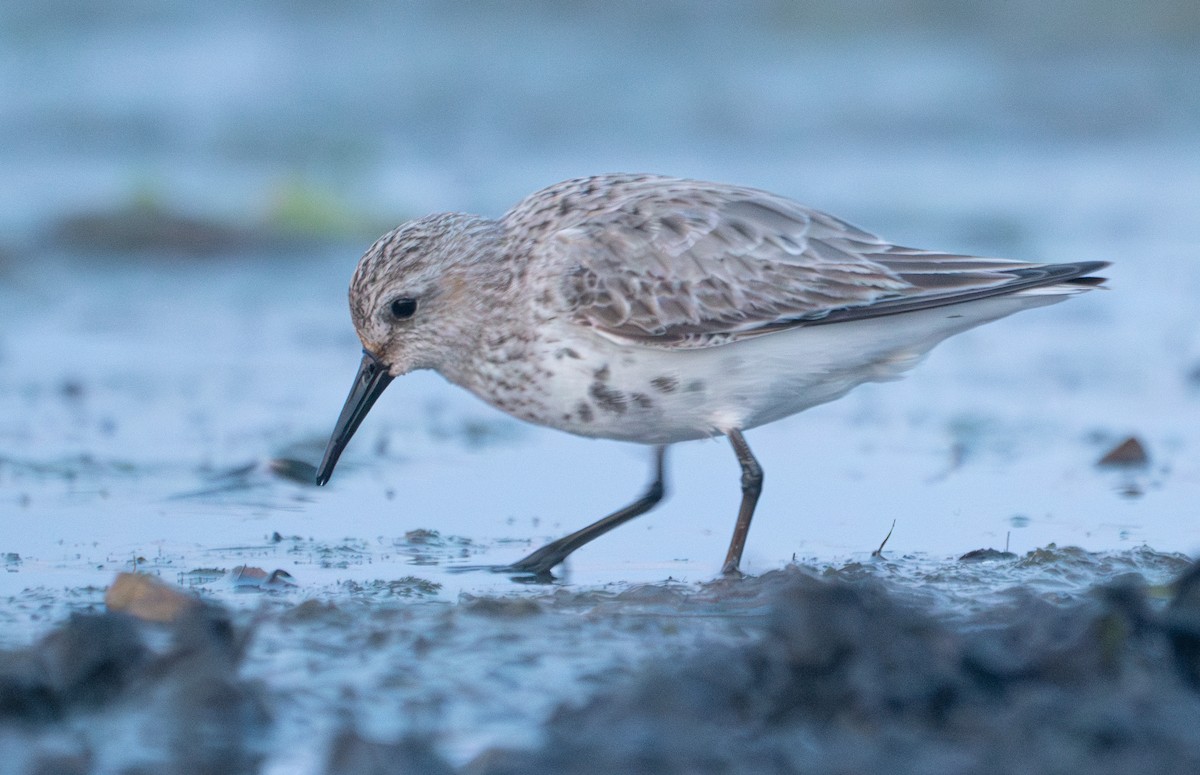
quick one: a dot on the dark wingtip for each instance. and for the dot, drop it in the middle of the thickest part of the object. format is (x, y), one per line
(1084, 274)
(1023, 278)
(1080, 274)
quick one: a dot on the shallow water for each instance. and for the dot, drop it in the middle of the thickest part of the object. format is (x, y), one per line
(173, 265)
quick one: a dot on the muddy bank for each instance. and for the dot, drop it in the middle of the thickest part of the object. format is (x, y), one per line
(858, 668)
(854, 677)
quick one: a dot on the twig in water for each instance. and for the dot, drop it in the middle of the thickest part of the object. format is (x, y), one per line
(879, 552)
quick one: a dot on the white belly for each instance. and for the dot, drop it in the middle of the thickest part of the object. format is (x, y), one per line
(592, 386)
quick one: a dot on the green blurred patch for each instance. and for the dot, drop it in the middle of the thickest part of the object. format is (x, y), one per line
(306, 211)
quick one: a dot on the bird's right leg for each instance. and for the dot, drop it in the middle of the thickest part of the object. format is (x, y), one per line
(752, 479)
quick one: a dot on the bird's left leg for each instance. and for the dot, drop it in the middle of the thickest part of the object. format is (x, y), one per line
(540, 562)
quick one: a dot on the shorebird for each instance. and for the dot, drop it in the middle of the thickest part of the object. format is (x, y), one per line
(657, 310)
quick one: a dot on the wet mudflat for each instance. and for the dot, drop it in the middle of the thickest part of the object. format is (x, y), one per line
(886, 665)
(154, 444)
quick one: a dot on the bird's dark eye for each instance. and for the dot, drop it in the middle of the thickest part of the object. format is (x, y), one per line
(402, 309)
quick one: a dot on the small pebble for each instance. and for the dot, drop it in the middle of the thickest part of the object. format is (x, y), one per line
(1129, 452)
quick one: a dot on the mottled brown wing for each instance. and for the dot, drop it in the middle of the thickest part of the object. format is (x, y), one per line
(685, 264)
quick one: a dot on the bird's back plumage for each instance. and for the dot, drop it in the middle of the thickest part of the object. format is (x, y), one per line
(672, 263)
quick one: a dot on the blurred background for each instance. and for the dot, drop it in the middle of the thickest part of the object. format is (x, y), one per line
(276, 113)
(185, 189)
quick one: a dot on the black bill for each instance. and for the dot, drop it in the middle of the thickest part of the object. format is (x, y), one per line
(372, 378)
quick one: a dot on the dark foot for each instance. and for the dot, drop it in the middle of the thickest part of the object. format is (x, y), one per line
(731, 571)
(541, 561)
(518, 572)
(536, 565)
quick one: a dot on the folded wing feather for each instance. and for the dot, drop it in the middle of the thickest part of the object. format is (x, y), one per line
(703, 266)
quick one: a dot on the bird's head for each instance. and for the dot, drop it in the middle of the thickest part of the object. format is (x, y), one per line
(411, 300)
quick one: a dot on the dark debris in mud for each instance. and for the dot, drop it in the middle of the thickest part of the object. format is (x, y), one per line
(298, 471)
(260, 475)
(987, 555)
